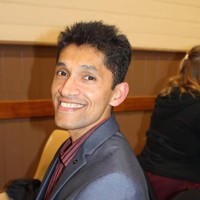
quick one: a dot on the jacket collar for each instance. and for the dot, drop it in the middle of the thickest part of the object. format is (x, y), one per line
(96, 139)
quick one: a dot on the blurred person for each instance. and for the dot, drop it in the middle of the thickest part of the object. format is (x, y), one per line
(171, 156)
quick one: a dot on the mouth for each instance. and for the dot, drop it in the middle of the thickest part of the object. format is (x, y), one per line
(71, 105)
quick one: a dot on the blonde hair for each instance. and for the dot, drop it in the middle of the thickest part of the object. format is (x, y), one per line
(188, 78)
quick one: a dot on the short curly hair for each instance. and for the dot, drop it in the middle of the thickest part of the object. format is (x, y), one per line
(115, 46)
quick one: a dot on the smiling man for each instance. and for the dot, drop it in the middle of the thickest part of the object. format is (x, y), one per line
(96, 162)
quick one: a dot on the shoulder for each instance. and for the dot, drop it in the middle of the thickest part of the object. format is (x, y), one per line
(116, 150)
(115, 156)
(113, 186)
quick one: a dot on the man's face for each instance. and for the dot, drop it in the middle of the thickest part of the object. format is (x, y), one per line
(81, 89)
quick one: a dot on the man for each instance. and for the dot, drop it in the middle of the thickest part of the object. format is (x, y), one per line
(96, 163)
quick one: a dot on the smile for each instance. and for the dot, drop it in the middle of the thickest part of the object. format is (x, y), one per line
(71, 105)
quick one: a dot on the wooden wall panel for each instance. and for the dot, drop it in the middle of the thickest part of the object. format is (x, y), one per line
(27, 75)
(26, 71)
(21, 143)
(150, 70)
(134, 126)
(44, 107)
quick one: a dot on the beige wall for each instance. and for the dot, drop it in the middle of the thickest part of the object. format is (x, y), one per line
(157, 24)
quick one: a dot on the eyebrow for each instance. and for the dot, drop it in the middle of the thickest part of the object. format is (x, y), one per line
(89, 67)
(59, 64)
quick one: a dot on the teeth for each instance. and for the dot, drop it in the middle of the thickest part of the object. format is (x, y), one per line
(70, 105)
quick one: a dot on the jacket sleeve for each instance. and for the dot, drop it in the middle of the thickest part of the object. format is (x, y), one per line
(113, 187)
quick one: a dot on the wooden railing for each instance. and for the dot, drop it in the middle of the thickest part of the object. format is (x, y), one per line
(44, 107)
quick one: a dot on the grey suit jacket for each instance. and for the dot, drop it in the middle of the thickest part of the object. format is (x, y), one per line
(104, 168)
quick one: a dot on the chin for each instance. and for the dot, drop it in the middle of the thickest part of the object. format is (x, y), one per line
(61, 123)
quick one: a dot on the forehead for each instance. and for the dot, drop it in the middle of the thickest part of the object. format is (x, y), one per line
(83, 57)
(81, 53)
(78, 59)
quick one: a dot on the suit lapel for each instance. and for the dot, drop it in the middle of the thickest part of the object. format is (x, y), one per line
(46, 179)
(96, 139)
(48, 175)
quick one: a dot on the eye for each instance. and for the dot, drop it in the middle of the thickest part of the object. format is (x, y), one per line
(89, 78)
(61, 73)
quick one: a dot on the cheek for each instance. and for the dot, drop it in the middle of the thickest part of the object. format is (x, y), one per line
(89, 92)
(102, 98)
(54, 92)
(55, 87)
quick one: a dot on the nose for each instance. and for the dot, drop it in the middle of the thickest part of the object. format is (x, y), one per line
(70, 87)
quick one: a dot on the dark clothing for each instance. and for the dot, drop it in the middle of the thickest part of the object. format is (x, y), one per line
(192, 194)
(173, 139)
(66, 154)
(23, 189)
(165, 188)
(105, 168)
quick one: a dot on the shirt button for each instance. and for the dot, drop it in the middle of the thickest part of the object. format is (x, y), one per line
(75, 161)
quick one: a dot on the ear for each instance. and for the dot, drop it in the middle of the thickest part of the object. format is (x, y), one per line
(119, 94)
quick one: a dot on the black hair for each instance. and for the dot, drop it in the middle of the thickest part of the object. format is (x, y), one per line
(115, 46)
